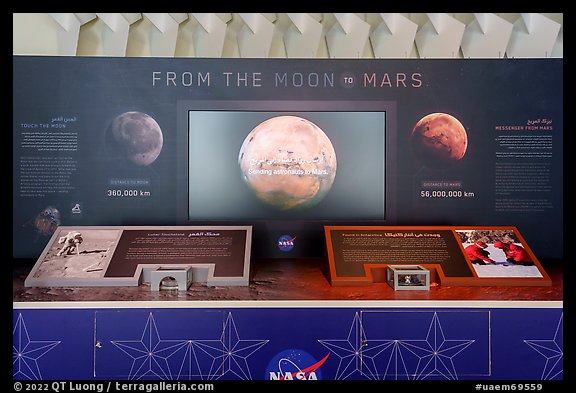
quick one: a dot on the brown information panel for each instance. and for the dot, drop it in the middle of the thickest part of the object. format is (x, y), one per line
(124, 256)
(459, 256)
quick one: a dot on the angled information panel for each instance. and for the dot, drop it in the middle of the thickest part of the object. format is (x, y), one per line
(456, 255)
(126, 256)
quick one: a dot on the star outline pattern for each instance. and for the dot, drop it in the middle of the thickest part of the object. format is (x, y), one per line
(153, 356)
(26, 352)
(434, 354)
(552, 351)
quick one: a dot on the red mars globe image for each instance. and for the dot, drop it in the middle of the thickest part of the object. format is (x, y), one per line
(439, 140)
(288, 162)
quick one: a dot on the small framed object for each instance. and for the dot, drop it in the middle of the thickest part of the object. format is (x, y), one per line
(408, 277)
(171, 278)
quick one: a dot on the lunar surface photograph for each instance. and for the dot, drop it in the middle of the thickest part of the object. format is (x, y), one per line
(78, 254)
(134, 137)
(439, 140)
(288, 162)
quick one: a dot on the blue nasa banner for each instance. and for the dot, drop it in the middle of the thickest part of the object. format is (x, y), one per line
(283, 344)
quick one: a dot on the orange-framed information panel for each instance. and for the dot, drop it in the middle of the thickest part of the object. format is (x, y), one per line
(455, 255)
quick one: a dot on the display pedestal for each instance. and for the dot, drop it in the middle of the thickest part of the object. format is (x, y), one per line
(289, 311)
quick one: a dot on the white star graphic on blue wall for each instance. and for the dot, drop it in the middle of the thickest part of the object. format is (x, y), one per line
(230, 353)
(150, 354)
(552, 351)
(435, 353)
(383, 358)
(155, 357)
(354, 353)
(26, 352)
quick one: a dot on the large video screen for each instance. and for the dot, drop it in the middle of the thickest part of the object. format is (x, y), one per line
(259, 165)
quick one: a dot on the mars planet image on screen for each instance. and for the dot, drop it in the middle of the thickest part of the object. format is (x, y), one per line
(288, 162)
(439, 140)
(134, 137)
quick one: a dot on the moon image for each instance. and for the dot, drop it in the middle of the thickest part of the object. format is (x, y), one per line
(288, 162)
(135, 137)
(439, 140)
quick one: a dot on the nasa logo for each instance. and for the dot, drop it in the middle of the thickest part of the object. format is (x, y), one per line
(286, 243)
(294, 364)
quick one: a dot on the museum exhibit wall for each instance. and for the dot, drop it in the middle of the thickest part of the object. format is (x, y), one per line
(63, 335)
(431, 44)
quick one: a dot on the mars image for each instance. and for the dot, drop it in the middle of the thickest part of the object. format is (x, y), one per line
(288, 162)
(439, 140)
(134, 137)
